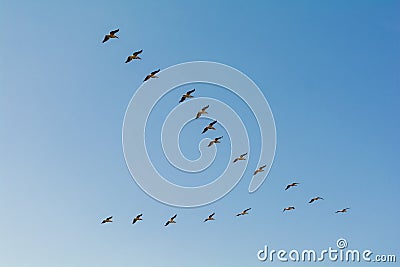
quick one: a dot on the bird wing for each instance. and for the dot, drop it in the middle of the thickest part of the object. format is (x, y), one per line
(155, 72)
(211, 215)
(114, 32)
(147, 77)
(204, 130)
(174, 216)
(210, 144)
(247, 209)
(109, 218)
(206, 107)
(166, 223)
(198, 115)
(106, 38)
(235, 160)
(212, 123)
(182, 99)
(262, 167)
(128, 59)
(138, 52)
(191, 91)
(218, 138)
(243, 155)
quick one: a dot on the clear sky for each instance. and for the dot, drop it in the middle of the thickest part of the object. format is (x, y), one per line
(329, 70)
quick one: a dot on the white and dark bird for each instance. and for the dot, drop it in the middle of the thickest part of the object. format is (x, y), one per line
(135, 55)
(241, 157)
(187, 95)
(215, 141)
(291, 185)
(243, 212)
(202, 111)
(315, 199)
(171, 220)
(209, 127)
(107, 220)
(137, 218)
(210, 217)
(110, 35)
(260, 169)
(152, 75)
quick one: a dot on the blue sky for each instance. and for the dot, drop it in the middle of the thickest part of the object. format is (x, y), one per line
(329, 71)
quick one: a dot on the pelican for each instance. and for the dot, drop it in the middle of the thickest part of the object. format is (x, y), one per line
(187, 95)
(135, 55)
(107, 220)
(243, 212)
(241, 157)
(288, 208)
(210, 217)
(209, 127)
(315, 199)
(261, 169)
(152, 75)
(215, 141)
(137, 218)
(202, 111)
(110, 35)
(290, 185)
(343, 210)
(171, 220)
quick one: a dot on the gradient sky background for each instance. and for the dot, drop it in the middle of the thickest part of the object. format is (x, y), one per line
(329, 70)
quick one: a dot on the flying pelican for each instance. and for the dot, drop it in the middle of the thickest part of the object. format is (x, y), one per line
(290, 185)
(315, 199)
(202, 111)
(171, 220)
(343, 210)
(243, 212)
(135, 55)
(210, 217)
(187, 95)
(209, 127)
(241, 157)
(215, 141)
(137, 218)
(152, 75)
(261, 169)
(107, 220)
(111, 35)
(288, 208)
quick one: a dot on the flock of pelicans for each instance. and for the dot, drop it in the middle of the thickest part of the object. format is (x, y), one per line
(210, 126)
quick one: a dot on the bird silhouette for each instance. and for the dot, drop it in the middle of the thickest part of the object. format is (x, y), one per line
(342, 210)
(202, 111)
(187, 95)
(137, 218)
(291, 185)
(243, 212)
(210, 217)
(135, 55)
(288, 208)
(315, 199)
(241, 157)
(107, 220)
(215, 141)
(172, 220)
(152, 75)
(110, 35)
(260, 169)
(209, 127)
